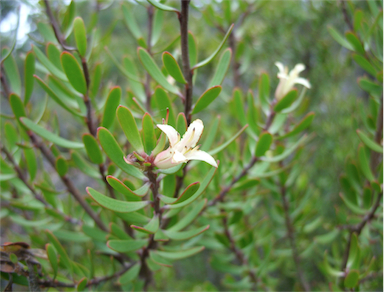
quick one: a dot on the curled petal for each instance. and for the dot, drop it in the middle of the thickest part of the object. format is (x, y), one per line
(192, 136)
(282, 70)
(298, 68)
(164, 159)
(202, 156)
(303, 82)
(172, 134)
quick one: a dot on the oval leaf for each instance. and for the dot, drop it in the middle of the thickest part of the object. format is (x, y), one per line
(206, 98)
(111, 104)
(80, 35)
(74, 72)
(173, 67)
(128, 124)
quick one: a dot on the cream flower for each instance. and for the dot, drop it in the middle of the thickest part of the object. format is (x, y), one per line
(287, 81)
(180, 151)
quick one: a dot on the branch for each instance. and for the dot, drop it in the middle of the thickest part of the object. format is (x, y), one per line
(92, 282)
(345, 14)
(56, 28)
(183, 18)
(67, 182)
(292, 241)
(37, 196)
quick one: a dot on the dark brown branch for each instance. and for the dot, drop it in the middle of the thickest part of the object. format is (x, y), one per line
(292, 240)
(242, 259)
(148, 93)
(345, 14)
(92, 282)
(56, 28)
(37, 196)
(183, 18)
(67, 182)
(358, 228)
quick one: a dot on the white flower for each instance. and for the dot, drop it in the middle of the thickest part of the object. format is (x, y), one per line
(288, 80)
(180, 151)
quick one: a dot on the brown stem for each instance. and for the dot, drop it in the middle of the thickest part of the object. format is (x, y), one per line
(92, 282)
(292, 240)
(235, 63)
(358, 228)
(56, 28)
(145, 272)
(345, 14)
(183, 18)
(67, 182)
(148, 93)
(39, 197)
(242, 259)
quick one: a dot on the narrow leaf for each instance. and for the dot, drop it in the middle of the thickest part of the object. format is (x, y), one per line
(111, 105)
(29, 70)
(74, 72)
(48, 64)
(149, 136)
(286, 101)
(163, 7)
(80, 35)
(184, 235)
(264, 143)
(128, 124)
(301, 126)
(126, 191)
(130, 275)
(369, 142)
(126, 245)
(222, 68)
(206, 99)
(223, 146)
(92, 148)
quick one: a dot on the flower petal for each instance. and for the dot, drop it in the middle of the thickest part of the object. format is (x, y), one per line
(281, 68)
(164, 159)
(172, 134)
(298, 68)
(191, 137)
(202, 156)
(303, 82)
(178, 157)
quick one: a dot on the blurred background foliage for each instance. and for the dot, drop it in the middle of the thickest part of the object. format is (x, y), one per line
(287, 31)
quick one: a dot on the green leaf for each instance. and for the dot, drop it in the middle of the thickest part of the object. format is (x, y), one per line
(352, 279)
(364, 63)
(30, 158)
(160, 236)
(56, 97)
(130, 275)
(128, 124)
(192, 48)
(111, 105)
(181, 123)
(115, 205)
(80, 35)
(61, 166)
(331, 271)
(84, 166)
(264, 143)
(163, 7)
(151, 227)
(158, 20)
(184, 235)
(286, 101)
(369, 142)
(339, 38)
(352, 206)
(180, 254)
(222, 68)
(126, 191)
(190, 217)
(153, 70)
(17, 106)
(52, 257)
(238, 104)
(159, 260)
(12, 72)
(126, 245)
(246, 184)
(92, 148)
(188, 192)
(355, 42)
(210, 58)
(149, 136)
(95, 81)
(120, 67)
(364, 164)
(264, 91)
(74, 72)
(29, 70)
(131, 22)
(48, 64)
(82, 284)
(206, 99)
(49, 135)
(61, 251)
(203, 185)
(223, 146)
(296, 103)
(301, 126)
(94, 233)
(286, 152)
(371, 87)
(114, 152)
(173, 67)
(136, 87)
(327, 237)
(47, 32)
(163, 103)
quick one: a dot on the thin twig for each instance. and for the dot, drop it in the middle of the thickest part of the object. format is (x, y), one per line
(37, 196)
(291, 237)
(183, 18)
(345, 14)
